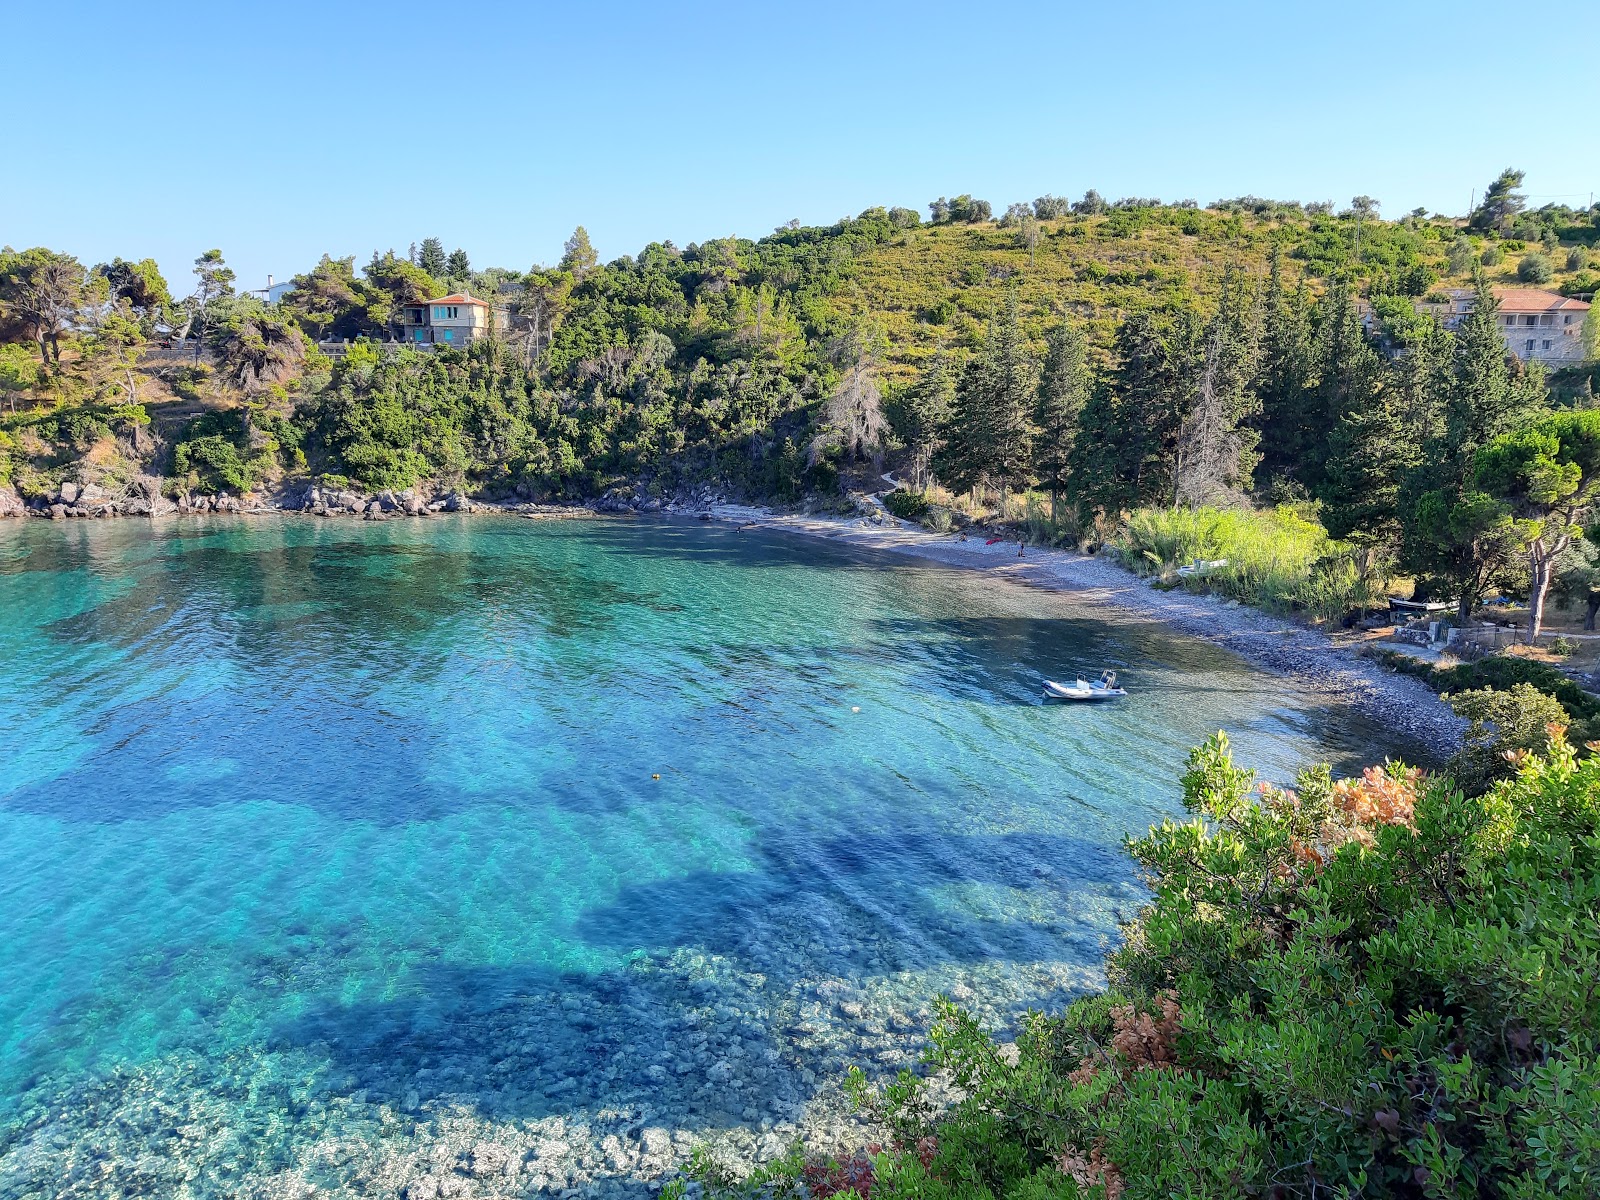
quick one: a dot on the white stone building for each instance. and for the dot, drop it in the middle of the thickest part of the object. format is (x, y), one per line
(1538, 326)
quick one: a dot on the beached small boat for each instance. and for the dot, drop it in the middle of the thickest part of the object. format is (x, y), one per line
(1104, 688)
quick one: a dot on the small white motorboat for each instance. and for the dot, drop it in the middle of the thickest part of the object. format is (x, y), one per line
(1104, 688)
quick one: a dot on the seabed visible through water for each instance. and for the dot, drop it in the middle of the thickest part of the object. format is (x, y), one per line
(479, 857)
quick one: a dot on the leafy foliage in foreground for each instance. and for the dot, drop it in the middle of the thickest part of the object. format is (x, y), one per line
(1370, 987)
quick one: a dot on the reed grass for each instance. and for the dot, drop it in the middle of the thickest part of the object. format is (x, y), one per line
(1277, 559)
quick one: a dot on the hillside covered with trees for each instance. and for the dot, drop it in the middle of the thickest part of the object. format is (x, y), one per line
(1071, 365)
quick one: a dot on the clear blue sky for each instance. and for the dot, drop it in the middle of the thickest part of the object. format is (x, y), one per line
(277, 132)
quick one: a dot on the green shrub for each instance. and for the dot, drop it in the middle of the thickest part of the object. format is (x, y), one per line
(1377, 987)
(1505, 671)
(83, 427)
(907, 505)
(938, 519)
(213, 455)
(1535, 268)
(186, 381)
(1563, 646)
(1491, 255)
(1577, 258)
(1502, 724)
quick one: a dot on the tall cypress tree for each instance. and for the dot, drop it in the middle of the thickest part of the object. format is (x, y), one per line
(1058, 405)
(1216, 448)
(1011, 374)
(1286, 373)
(1339, 351)
(1492, 395)
(1455, 534)
(1371, 448)
(988, 441)
(432, 258)
(1093, 465)
(1128, 438)
(927, 411)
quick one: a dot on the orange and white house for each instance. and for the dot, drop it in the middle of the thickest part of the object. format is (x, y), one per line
(452, 320)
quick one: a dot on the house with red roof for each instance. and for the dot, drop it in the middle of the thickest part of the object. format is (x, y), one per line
(1541, 326)
(1538, 326)
(453, 320)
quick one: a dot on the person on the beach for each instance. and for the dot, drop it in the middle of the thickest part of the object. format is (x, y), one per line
(1020, 546)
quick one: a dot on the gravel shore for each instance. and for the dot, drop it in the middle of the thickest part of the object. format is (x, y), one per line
(1305, 655)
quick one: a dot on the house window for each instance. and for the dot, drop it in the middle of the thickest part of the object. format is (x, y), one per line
(1511, 320)
(1547, 319)
(1567, 320)
(1530, 320)
(1529, 350)
(450, 336)
(1547, 343)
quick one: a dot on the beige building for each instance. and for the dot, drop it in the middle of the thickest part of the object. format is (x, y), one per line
(1538, 326)
(1541, 326)
(452, 320)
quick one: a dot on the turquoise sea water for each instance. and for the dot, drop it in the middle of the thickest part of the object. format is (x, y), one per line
(342, 858)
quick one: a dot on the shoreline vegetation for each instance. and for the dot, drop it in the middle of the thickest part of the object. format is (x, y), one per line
(1376, 986)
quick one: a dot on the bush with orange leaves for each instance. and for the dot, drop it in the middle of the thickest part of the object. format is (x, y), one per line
(1378, 986)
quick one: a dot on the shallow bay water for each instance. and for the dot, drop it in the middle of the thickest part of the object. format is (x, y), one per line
(495, 857)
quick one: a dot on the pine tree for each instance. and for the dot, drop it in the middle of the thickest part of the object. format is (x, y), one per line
(926, 409)
(1012, 376)
(987, 444)
(1501, 201)
(458, 266)
(578, 256)
(1058, 407)
(1216, 447)
(1491, 395)
(854, 411)
(431, 258)
(1286, 372)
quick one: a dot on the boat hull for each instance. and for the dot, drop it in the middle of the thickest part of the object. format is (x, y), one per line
(1087, 694)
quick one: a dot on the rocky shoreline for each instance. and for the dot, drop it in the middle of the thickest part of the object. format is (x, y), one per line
(1307, 656)
(145, 497)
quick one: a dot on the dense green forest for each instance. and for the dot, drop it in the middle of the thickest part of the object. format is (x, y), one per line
(1107, 373)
